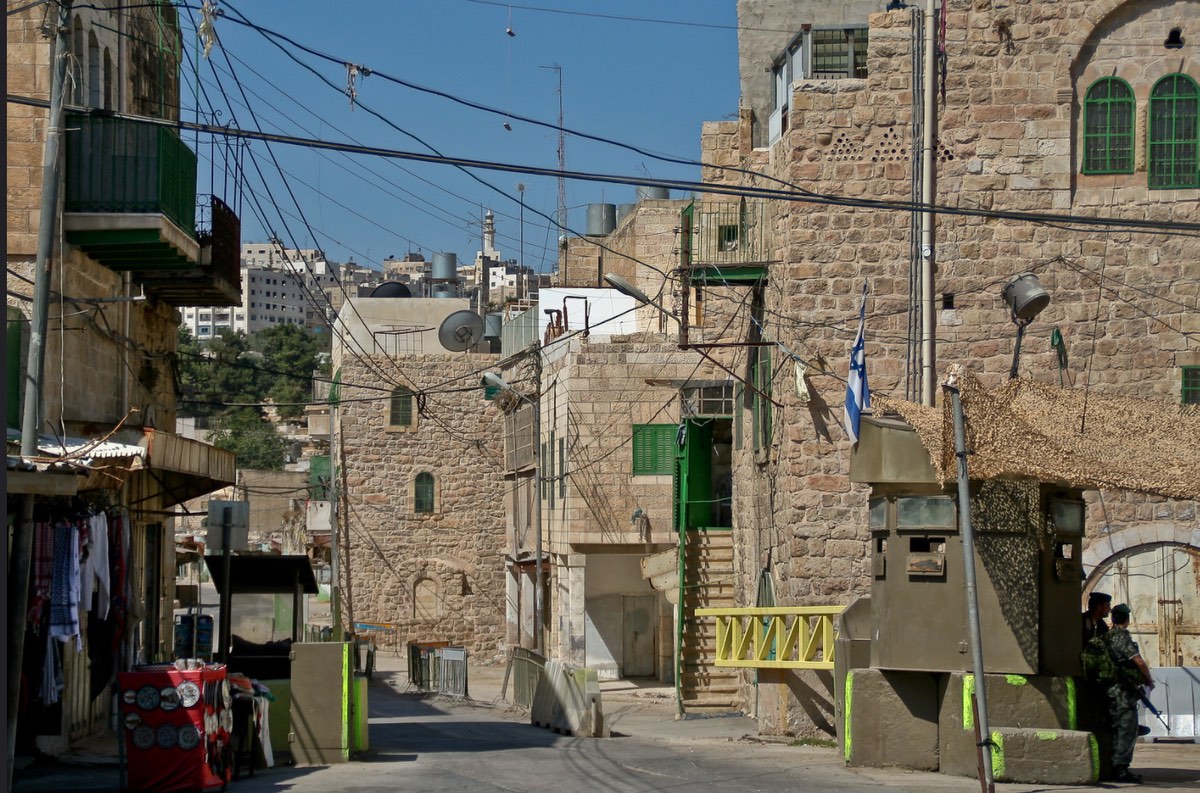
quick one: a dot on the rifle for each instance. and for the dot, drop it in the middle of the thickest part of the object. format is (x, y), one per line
(1150, 707)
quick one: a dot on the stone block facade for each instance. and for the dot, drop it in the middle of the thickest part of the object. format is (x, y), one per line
(437, 575)
(1009, 138)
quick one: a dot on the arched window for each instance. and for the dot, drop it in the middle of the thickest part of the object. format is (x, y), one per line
(1108, 127)
(75, 67)
(423, 493)
(401, 413)
(1174, 115)
(108, 79)
(93, 70)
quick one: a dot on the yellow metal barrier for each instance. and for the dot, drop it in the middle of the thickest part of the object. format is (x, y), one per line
(796, 637)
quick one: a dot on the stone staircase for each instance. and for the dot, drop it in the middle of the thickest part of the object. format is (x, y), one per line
(708, 583)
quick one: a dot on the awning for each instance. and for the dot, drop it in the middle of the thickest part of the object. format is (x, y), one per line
(263, 574)
(186, 468)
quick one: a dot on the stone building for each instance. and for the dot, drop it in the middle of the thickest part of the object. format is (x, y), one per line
(418, 449)
(1084, 109)
(121, 267)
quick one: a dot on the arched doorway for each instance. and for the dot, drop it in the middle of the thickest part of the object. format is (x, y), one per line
(1161, 584)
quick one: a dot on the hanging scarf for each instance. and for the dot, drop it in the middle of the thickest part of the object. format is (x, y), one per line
(64, 587)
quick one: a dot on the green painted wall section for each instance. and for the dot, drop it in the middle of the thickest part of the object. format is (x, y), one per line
(997, 756)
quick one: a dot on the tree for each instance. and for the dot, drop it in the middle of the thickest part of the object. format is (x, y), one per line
(251, 438)
(294, 350)
(218, 372)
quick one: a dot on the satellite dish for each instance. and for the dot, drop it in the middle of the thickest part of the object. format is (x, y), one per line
(461, 330)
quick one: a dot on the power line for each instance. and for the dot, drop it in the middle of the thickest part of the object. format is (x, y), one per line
(1150, 226)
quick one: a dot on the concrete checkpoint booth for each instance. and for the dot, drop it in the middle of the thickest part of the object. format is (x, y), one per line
(309, 680)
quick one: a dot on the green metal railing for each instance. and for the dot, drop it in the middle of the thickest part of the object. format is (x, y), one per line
(119, 166)
(724, 233)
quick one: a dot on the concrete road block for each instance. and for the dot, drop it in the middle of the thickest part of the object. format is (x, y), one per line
(1038, 702)
(891, 719)
(1045, 757)
(567, 700)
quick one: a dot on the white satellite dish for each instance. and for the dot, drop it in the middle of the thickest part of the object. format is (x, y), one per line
(461, 330)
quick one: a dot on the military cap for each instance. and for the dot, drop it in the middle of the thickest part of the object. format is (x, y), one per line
(1096, 598)
(1121, 609)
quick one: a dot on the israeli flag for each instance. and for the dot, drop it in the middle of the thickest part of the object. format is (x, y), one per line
(858, 394)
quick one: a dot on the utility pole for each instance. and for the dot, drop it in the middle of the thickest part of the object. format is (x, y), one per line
(22, 541)
(928, 320)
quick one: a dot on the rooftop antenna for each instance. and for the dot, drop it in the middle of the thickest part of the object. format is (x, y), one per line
(562, 157)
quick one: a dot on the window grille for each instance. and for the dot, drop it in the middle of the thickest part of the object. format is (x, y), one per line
(1108, 127)
(1174, 112)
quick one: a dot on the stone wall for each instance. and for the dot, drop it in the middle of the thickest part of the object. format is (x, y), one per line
(439, 576)
(1009, 139)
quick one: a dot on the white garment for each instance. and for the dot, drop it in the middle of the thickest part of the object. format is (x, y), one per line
(263, 708)
(95, 567)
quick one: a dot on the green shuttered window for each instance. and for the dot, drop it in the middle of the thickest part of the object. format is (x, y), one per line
(423, 493)
(1108, 127)
(1174, 133)
(1191, 385)
(401, 413)
(654, 449)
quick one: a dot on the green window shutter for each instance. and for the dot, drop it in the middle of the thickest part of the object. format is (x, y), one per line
(1191, 385)
(654, 449)
(401, 408)
(423, 493)
(1108, 127)
(1174, 138)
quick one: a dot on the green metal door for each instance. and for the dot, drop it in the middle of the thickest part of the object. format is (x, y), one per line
(693, 475)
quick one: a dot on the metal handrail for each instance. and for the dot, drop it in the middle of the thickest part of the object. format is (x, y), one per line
(780, 637)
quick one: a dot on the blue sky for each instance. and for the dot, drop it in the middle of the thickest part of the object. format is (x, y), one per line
(633, 81)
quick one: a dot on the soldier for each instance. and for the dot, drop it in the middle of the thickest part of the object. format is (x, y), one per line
(1123, 694)
(1093, 619)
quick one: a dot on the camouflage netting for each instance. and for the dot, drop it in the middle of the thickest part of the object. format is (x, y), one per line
(1028, 429)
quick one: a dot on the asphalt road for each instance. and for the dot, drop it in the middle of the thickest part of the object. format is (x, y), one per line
(446, 746)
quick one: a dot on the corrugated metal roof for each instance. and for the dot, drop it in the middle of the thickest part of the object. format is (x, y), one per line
(82, 450)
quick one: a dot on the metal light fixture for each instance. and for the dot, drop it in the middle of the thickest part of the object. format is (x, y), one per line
(494, 380)
(623, 286)
(1026, 299)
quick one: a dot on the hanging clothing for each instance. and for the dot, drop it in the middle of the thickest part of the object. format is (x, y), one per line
(95, 566)
(64, 587)
(52, 673)
(41, 573)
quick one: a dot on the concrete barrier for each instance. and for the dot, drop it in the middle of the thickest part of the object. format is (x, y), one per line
(567, 700)
(1014, 701)
(1045, 757)
(895, 722)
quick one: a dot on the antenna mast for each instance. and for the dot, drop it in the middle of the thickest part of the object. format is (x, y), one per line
(562, 156)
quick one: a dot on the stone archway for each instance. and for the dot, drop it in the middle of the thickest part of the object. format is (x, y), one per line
(1155, 568)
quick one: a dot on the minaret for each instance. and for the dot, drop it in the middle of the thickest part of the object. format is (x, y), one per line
(489, 235)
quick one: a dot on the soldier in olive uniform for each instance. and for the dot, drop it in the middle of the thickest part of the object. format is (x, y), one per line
(1123, 695)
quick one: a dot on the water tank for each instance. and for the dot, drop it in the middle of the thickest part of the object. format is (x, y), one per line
(601, 219)
(654, 193)
(623, 210)
(442, 290)
(391, 289)
(492, 325)
(445, 267)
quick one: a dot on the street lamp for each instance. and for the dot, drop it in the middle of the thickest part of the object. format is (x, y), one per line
(1025, 298)
(496, 381)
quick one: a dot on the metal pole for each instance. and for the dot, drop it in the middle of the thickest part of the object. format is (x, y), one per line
(928, 324)
(226, 583)
(968, 544)
(51, 170)
(1012, 372)
(335, 577)
(539, 643)
(22, 541)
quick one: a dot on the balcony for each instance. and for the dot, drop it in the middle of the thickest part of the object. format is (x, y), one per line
(130, 204)
(724, 241)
